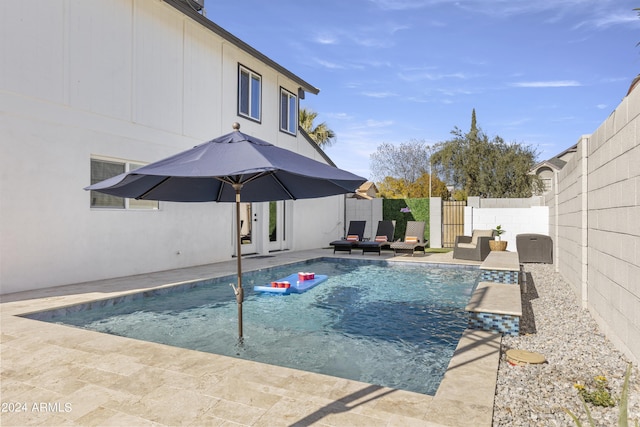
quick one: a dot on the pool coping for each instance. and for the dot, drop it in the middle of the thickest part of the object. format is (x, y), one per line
(113, 380)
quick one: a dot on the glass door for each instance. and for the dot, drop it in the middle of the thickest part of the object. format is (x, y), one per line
(277, 226)
(247, 229)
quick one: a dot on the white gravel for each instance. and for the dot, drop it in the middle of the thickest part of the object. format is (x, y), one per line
(554, 325)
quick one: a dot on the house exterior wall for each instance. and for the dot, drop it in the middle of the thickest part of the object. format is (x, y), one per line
(134, 80)
(596, 211)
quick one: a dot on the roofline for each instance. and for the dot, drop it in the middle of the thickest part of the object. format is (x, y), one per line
(633, 84)
(574, 147)
(320, 151)
(207, 23)
(546, 163)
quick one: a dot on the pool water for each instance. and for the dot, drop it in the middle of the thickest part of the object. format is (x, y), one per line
(389, 325)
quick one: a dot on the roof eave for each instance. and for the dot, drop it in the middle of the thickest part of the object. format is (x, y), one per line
(311, 142)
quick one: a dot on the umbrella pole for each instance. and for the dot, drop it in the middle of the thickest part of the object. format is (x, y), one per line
(239, 291)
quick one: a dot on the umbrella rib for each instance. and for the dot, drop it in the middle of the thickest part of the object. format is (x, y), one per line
(238, 179)
(143, 195)
(272, 173)
(283, 187)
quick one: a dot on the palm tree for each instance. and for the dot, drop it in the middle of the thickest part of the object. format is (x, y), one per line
(320, 134)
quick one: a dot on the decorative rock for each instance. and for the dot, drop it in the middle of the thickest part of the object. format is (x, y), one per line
(554, 325)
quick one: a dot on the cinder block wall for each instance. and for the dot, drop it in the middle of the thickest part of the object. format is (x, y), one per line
(570, 226)
(364, 210)
(595, 216)
(614, 223)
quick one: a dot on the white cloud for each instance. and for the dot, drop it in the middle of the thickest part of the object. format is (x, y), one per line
(378, 123)
(597, 13)
(379, 94)
(328, 64)
(456, 91)
(609, 20)
(372, 42)
(552, 83)
(328, 39)
(404, 4)
(426, 75)
(340, 116)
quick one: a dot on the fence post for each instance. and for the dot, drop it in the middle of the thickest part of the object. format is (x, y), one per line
(435, 222)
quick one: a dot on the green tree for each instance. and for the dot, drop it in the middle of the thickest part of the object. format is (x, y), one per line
(483, 167)
(392, 188)
(438, 188)
(400, 188)
(320, 134)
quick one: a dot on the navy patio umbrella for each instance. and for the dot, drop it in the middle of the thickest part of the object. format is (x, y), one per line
(229, 168)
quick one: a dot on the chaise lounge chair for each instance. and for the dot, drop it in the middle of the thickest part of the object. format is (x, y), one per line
(474, 247)
(354, 236)
(382, 238)
(413, 239)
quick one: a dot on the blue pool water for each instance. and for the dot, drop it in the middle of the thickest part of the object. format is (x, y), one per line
(395, 326)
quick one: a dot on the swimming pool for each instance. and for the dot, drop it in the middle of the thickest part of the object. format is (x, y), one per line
(390, 325)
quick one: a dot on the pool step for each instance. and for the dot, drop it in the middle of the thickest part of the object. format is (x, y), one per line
(496, 304)
(501, 267)
(495, 307)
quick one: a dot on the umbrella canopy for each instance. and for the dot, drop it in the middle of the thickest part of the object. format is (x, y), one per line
(231, 168)
(208, 171)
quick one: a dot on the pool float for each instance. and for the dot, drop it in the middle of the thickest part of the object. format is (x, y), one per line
(296, 283)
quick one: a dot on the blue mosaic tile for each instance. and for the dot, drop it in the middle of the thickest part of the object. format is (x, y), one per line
(500, 276)
(502, 323)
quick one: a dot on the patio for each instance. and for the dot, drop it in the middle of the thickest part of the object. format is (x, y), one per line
(58, 375)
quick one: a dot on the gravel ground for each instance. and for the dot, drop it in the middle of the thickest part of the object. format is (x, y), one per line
(576, 352)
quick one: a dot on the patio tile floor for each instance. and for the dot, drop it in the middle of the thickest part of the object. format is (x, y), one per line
(52, 374)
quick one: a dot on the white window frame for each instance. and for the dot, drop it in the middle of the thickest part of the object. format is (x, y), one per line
(288, 118)
(249, 102)
(127, 204)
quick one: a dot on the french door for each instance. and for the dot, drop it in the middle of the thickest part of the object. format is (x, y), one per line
(263, 227)
(248, 217)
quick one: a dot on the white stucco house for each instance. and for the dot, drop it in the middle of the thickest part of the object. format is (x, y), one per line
(89, 89)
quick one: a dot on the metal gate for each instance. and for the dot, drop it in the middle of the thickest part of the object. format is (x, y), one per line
(452, 221)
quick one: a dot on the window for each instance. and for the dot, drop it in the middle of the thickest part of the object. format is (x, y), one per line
(288, 112)
(103, 169)
(249, 94)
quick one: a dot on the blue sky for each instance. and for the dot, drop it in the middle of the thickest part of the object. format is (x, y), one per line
(538, 72)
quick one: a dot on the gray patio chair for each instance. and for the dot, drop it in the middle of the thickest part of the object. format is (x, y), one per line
(474, 247)
(413, 239)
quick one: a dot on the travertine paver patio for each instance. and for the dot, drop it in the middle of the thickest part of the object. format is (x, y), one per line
(58, 375)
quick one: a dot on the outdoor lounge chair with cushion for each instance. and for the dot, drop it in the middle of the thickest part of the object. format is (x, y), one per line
(413, 239)
(354, 236)
(382, 238)
(474, 247)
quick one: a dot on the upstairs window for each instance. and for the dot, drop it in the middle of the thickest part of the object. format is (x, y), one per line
(288, 112)
(103, 169)
(249, 94)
